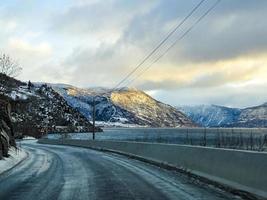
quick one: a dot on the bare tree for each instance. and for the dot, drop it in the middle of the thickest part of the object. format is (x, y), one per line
(8, 66)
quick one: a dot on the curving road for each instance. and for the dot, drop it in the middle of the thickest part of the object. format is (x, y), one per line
(63, 172)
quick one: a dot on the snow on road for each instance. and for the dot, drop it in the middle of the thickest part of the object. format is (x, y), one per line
(64, 172)
(15, 156)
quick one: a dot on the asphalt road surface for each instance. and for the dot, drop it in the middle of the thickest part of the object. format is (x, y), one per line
(63, 172)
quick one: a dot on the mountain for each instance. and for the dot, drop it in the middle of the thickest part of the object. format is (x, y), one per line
(123, 107)
(39, 109)
(211, 115)
(252, 117)
(220, 116)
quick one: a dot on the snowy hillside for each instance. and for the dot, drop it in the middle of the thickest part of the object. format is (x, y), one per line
(125, 107)
(211, 115)
(220, 116)
(39, 109)
(253, 117)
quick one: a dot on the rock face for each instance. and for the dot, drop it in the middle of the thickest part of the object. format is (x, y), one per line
(125, 106)
(37, 110)
(47, 111)
(6, 129)
(219, 116)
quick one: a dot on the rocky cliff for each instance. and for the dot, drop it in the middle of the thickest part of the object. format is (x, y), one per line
(6, 128)
(38, 109)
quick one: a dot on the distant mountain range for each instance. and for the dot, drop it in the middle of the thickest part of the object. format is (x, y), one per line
(131, 107)
(122, 107)
(252, 117)
(211, 115)
(60, 105)
(220, 116)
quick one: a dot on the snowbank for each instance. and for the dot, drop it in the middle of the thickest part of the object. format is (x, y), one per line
(120, 123)
(29, 138)
(14, 158)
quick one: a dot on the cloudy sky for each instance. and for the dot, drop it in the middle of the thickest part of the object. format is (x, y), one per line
(89, 43)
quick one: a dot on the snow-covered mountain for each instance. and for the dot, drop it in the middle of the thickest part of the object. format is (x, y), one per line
(123, 107)
(39, 109)
(211, 115)
(252, 117)
(220, 116)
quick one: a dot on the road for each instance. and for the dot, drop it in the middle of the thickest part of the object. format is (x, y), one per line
(63, 172)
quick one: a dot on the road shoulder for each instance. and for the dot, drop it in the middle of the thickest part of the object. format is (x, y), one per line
(15, 158)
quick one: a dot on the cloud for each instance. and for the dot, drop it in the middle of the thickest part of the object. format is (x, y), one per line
(105, 64)
(10, 25)
(104, 20)
(224, 95)
(231, 30)
(30, 56)
(192, 63)
(206, 75)
(22, 46)
(96, 43)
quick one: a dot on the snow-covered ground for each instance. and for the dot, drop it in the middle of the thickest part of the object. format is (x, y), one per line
(22, 93)
(64, 172)
(29, 138)
(116, 124)
(14, 158)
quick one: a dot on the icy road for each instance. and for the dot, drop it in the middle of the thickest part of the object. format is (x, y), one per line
(62, 172)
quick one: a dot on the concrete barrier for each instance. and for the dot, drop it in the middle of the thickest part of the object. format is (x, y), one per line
(241, 170)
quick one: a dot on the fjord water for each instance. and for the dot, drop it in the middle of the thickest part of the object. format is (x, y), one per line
(240, 138)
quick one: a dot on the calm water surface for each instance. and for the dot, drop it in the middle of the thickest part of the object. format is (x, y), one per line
(241, 138)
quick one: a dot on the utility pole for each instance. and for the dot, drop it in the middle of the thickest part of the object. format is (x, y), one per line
(94, 118)
(205, 137)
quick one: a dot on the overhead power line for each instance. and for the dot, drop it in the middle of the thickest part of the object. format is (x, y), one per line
(160, 44)
(176, 41)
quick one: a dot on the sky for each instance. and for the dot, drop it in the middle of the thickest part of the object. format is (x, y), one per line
(96, 43)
